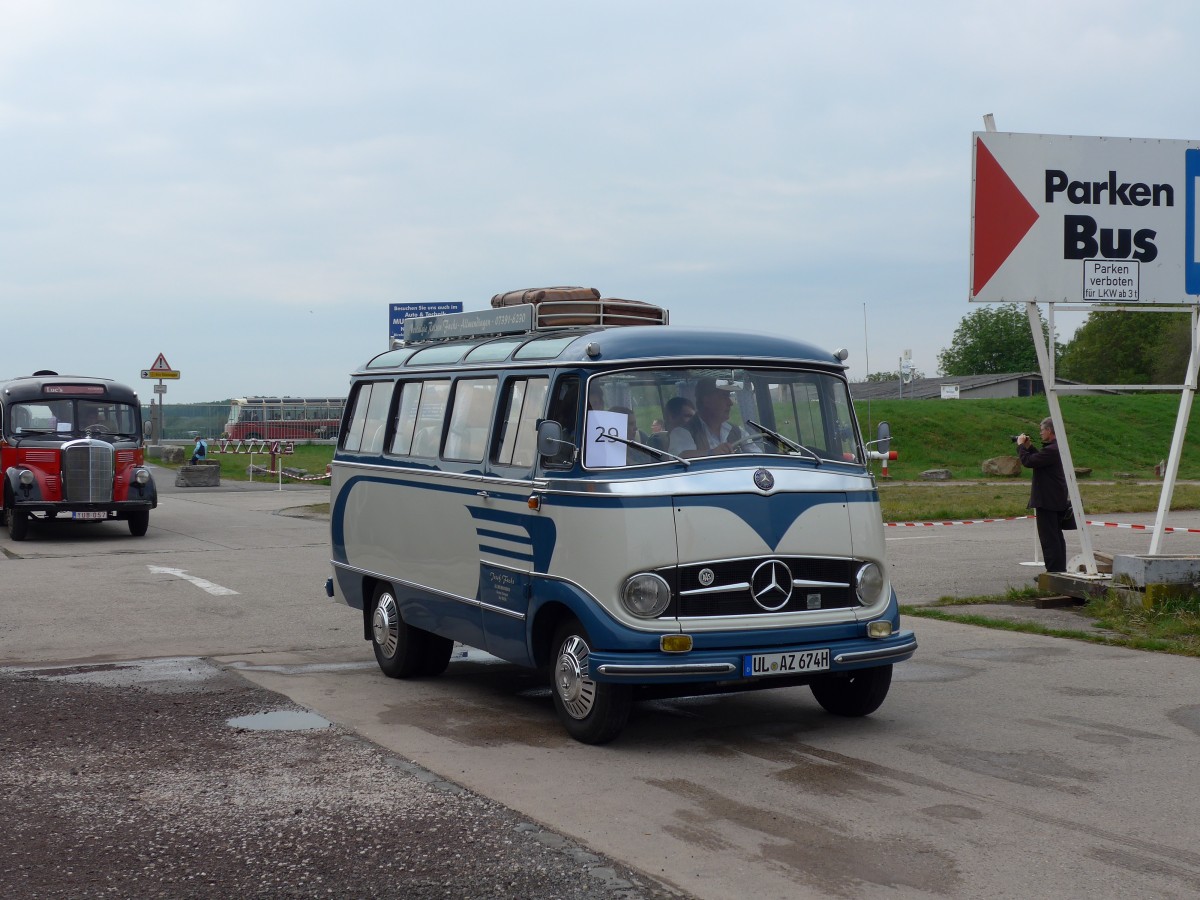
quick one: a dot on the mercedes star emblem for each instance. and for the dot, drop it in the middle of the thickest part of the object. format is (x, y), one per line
(763, 480)
(771, 585)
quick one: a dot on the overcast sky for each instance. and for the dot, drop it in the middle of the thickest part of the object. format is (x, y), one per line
(245, 187)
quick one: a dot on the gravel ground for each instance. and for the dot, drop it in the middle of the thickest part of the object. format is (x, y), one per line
(127, 780)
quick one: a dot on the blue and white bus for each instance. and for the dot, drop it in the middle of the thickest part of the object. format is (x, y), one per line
(536, 490)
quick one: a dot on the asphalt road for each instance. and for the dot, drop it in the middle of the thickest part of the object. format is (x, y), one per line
(1001, 764)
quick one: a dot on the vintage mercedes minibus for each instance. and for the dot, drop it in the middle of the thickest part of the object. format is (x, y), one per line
(71, 447)
(633, 509)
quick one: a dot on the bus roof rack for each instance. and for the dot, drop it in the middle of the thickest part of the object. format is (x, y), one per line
(549, 315)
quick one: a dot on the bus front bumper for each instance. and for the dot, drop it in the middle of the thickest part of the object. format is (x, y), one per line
(733, 665)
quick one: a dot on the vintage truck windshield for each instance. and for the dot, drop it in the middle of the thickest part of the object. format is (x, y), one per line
(701, 412)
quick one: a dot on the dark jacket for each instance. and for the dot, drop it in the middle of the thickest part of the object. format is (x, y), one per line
(1049, 489)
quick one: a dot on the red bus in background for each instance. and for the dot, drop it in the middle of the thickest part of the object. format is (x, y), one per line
(284, 418)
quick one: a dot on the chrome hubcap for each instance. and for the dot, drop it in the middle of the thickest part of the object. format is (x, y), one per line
(575, 689)
(385, 624)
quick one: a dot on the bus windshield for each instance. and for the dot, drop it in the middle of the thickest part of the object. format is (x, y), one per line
(73, 418)
(704, 412)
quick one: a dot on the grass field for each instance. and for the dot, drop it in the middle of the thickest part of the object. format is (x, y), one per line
(1111, 435)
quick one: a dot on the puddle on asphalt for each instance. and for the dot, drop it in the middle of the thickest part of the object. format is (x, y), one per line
(279, 720)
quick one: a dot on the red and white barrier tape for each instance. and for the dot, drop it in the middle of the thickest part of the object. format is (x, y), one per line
(1144, 527)
(1171, 528)
(258, 470)
(953, 522)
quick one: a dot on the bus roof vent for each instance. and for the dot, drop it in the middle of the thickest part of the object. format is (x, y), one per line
(42, 372)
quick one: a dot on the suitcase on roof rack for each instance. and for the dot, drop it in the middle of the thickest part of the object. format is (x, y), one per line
(538, 295)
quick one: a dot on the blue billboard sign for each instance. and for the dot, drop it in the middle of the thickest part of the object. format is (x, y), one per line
(398, 312)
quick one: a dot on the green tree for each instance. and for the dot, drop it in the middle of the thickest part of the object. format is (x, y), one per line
(1129, 348)
(894, 375)
(993, 340)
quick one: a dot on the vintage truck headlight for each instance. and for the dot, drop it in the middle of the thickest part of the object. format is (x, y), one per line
(25, 478)
(868, 583)
(141, 476)
(646, 595)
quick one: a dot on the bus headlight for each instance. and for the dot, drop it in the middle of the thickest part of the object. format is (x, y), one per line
(868, 583)
(25, 478)
(646, 595)
(142, 476)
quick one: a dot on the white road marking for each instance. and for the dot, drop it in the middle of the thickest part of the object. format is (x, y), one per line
(214, 589)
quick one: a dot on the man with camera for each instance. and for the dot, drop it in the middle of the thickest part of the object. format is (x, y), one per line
(1048, 496)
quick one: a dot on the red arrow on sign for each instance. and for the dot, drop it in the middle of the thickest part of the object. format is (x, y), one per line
(1002, 217)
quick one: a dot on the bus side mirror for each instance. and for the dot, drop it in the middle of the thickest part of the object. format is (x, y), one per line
(549, 437)
(883, 437)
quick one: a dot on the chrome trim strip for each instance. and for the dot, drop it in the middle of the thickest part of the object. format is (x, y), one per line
(884, 653)
(403, 467)
(680, 669)
(740, 586)
(800, 582)
(468, 601)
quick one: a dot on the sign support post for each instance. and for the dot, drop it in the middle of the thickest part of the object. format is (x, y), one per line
(1046, 364)
(1181, 423)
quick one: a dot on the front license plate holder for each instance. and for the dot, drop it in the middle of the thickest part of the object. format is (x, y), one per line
(90, 515)
(795, 662)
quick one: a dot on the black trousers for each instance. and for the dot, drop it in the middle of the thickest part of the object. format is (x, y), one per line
(1050, 536)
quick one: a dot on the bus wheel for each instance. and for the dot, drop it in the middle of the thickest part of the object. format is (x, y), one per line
(399, 648)
(857, 693)
(593, 712)
(139, 522)
(18, 524)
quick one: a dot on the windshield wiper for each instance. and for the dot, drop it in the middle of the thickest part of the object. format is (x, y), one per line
(781, 441)
(662, 454)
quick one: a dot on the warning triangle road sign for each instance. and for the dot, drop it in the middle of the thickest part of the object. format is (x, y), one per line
(160, 364)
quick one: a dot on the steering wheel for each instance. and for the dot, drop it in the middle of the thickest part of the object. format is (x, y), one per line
(98, 427)
(742, 442)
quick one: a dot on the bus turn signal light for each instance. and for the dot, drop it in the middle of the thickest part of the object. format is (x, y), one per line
(675, 643)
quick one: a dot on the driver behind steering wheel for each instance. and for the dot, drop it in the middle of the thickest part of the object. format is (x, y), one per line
(709, 432)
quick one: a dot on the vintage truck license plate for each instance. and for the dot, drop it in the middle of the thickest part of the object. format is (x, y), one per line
(785, 663)
(89, 515)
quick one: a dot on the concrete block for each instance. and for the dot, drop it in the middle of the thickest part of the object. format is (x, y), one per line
(1141, 571)
(199, 475)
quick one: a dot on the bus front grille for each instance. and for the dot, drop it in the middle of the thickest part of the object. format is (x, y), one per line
(87, 472)
(729, 587)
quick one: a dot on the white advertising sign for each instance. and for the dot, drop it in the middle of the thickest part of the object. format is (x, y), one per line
(1083, 219)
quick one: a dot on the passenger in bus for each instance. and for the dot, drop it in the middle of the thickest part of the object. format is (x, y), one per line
(634, 456)
(709, 432)
(678, 412)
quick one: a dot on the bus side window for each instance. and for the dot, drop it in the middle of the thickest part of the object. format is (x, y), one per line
(369, 418)
(469, 419)
(376, 424)
(430, 412)
(523, 407)
(352, 438)
(406, 418)
(564, 409)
